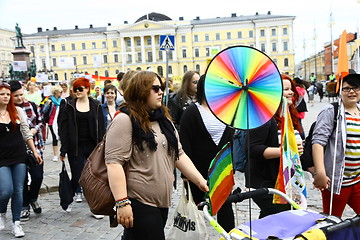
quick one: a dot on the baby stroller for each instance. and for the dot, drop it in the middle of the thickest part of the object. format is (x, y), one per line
(292, 224)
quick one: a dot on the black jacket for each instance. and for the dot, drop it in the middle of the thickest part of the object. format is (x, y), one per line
(263, 171)
(68, 128)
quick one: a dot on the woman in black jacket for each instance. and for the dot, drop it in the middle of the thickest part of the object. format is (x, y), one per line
(202, 136)
(81, 127)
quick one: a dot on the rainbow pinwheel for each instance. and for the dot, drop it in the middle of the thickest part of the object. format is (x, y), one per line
(243, 87)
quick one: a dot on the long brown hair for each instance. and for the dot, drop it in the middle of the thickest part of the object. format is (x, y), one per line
(13, 114)
(136, 96)
(184, 89)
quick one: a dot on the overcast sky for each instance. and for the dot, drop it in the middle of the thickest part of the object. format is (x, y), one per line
(65, 14)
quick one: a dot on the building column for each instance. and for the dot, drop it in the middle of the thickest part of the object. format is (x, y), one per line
(123, 54)
(153, 48)
(142, 43)
(132, 43)
(47, 55)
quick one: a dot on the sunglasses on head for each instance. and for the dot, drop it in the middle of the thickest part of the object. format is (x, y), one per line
(156, 88)
(80, 89)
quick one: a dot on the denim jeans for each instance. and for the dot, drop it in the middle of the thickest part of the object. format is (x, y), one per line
(12, 185)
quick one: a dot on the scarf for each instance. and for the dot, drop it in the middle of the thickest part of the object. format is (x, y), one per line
(167, 128)
(56, 101)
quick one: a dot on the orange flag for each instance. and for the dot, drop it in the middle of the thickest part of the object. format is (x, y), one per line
(343, 66)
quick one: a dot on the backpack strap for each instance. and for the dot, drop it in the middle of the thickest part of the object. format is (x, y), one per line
(35, 109)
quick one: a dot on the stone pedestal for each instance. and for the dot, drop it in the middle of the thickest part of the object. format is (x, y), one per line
(21, 54)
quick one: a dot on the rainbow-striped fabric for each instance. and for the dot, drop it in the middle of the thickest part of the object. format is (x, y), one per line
(290, 180)
(220, 179)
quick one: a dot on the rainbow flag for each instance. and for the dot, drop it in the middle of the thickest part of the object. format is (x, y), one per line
(220, 179)
(290, 179)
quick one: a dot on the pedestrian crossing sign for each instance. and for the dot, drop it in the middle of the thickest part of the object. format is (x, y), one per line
(167, 42)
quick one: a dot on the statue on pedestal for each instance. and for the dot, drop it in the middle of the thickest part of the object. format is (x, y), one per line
(11, 71)
(20, 43)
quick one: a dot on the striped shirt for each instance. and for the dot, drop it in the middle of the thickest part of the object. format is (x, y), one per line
(352, 152)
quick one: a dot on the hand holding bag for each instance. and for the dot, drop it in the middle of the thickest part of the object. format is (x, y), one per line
(65, 188)
(187, 222)
(31, 160)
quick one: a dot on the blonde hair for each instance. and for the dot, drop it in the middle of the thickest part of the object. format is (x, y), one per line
(56, 88)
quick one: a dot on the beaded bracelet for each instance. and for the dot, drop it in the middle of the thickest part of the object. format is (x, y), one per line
(123, 203)
(122, 199)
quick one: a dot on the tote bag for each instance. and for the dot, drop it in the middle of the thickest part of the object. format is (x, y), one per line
(65, 188)
(187, 222)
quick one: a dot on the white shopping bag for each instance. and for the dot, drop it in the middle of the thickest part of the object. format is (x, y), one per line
(187, 222)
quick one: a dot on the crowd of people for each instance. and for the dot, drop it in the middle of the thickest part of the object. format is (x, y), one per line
(146, 141)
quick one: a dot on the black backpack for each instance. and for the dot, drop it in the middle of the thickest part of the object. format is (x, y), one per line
(239, 150)
(306, 158)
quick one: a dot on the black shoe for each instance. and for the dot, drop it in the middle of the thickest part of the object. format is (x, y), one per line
(25, 215)
(36, 207)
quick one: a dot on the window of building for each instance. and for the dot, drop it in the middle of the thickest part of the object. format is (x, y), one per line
(170, 55)
(84, 60)
(103, 44)
(96, 73)
(239, 34)
(286, 62)
(32, 49)
(170, 70)
(54, 62)
(150, 56)
(75, 61)
(114, 43)
(93, 45)
(41, 48)
(129, 58)
(183, 38)
(83, 46)
(262, 32)
(116, 58)
(65, 76)
(185, 68)
(117, 71)
(53, 48)
(262, 47)
(56, 76)
(196, 38)
(105, 57)
(196, 52)
(251, 45)
(217, 36)
(207, 52)
(63, 48)
(139, 56)
(148, 40)
(106, 73)
(128, 42)
(183, 53)
(73, 46)
(228, 35)
(273, 47)
(197, 67)
(138, 42)
(160, 55)
(43, 64)
(286, 46)
(207, 37)
(160, 71)
(285, 31)
(275, 61)
(273, 32)
(251, 33)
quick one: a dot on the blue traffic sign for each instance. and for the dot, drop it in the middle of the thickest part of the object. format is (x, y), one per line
(167, 42)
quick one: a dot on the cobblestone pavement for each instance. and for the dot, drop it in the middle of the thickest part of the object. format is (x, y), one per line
(55, 223)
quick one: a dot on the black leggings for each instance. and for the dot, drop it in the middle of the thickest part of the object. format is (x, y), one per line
(55, 141)
(31, 192)
(149, 222)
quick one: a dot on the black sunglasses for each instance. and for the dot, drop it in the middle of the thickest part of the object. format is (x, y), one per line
(156, 88)
(80, 89)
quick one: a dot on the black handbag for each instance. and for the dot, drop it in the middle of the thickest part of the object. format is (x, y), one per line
(31, 160)
(66, 193)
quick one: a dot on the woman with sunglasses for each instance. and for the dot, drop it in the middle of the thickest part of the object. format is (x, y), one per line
(347, 161)
(81, 127)
(186, 95)
(142, 149)
(14, 129)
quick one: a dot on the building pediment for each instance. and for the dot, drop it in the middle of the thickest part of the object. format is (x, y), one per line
(147, 25)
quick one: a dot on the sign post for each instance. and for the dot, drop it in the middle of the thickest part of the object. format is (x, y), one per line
(167, 43)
